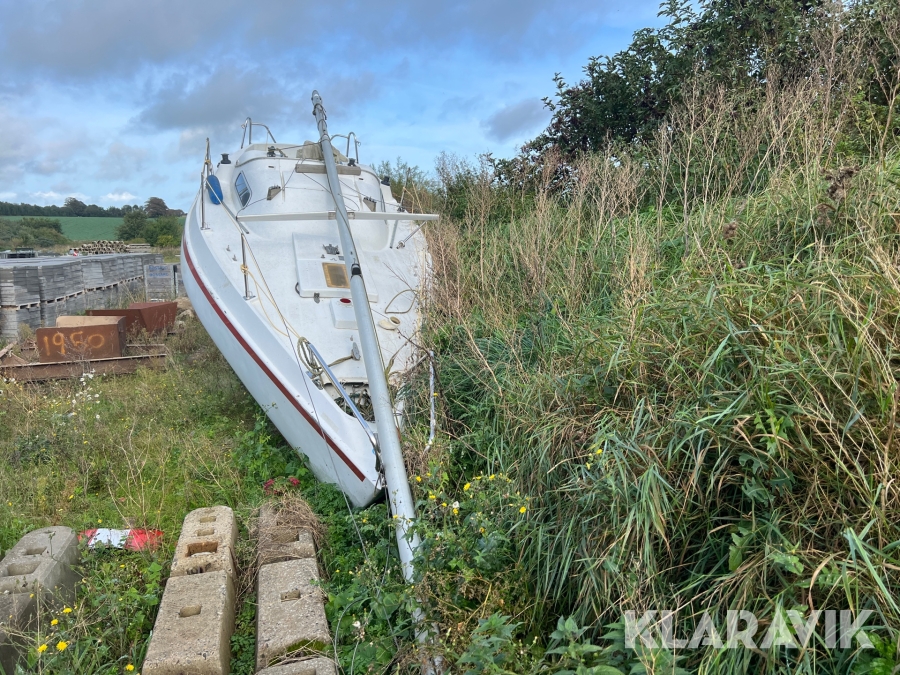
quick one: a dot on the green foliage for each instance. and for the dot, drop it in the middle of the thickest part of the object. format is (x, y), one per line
(259, 459)
(104, 630)
(162, 231)
(746, 46)
(29, 231)
(243, 640)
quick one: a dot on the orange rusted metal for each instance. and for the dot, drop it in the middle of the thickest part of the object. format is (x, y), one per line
(154, 317)
(79, 338)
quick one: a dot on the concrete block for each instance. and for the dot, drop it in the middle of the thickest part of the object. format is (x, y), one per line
(57, 543)
(315, 666)
(17, 613)
(36, 574)
(192, 634)
(280, 538)
(290, 613)
(206, 543)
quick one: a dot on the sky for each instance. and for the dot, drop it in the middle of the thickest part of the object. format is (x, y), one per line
(111, 101)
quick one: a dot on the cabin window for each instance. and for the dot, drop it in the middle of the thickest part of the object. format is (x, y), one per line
(243, 190)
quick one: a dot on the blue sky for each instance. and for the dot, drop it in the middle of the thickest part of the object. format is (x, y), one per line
(111, 101)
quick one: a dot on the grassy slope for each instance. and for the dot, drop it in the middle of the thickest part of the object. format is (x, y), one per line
(85, 229)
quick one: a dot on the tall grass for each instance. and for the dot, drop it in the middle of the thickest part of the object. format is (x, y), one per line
(688, 357)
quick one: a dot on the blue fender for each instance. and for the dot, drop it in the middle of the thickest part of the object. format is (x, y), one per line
(215, 189)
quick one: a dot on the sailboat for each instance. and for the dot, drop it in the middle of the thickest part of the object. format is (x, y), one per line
(307, 273)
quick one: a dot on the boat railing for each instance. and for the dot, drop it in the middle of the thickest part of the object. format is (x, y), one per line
(248, 125)
(355, 144)
(373, 439)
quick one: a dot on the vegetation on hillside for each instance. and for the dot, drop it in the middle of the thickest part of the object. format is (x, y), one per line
(31, 232)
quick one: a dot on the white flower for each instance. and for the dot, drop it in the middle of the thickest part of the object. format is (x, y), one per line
(97, 416)
(455, 505)
(91, 375)
(357, 624)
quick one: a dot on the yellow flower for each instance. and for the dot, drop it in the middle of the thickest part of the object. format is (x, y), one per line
(466, 487)
(522, 509)
(444, 504)
(491, 477)
(54, 622)
(418, 479)
(129, 667)
(67, 610)
(455, 511)
(588, 465)
(431, 497)
(99, 520)
(42, 649)
(599, 451)
(61, 646)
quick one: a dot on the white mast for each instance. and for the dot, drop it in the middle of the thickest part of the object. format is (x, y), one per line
(399, 494)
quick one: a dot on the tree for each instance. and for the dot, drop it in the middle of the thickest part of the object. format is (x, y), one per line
(75, 206)
(155, 207)
(132, 226)
(733, 42)
(165, 231)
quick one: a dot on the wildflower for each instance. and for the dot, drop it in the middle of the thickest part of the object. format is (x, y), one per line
(54, 622)
(444, 504)
(455, 511)
(522, 509)
(67, 610)
(588, 465)
(455, 505)
(99, 520)
(431, 497)
(122, 566)
(599, 451)
(97, 416)
(61, 646)
(129, 667)
(42, 649)
(466, 487)
(491, 477)
(418, 479)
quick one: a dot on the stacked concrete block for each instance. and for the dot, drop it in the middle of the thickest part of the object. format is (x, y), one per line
(290, 616)
(38, 569)
(281, 539)
(192, 634)
(313, 666)
(290, 613)
(207, 542)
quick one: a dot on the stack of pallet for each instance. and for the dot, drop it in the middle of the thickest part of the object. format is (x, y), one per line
(20, 297)
(36, 291)
(103, 246)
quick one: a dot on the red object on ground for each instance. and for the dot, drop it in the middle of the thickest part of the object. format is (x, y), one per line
(130, 540)
(154, 317)
(79, 338)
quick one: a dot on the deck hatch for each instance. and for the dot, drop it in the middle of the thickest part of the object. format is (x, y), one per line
(335, 275)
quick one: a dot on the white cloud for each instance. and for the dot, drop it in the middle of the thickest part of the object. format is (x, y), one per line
(524, 117)
(6, 196)
(118, 197)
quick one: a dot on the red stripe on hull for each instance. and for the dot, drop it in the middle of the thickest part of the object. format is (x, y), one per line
(312, 422)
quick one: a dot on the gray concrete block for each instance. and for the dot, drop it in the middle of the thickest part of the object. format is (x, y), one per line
(290, 613)
(314, 666)
(192, 634)
(57, 543)
(279, 538)
(206, 543)
(17, 613)
(37, 574)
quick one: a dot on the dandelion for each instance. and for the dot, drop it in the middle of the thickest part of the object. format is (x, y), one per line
(491, 477)
(54, 622)
(61, 646)
(444, 504)
(588, 465)
(466, 487)
(418, 479)
(522, 509)
(99, 520)
(129, 667)
(599, 451)
(432, 497)
(455, 511)
(67, 610)
(42, 649)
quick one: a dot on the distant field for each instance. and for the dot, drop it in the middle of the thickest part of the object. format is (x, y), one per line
(84, 229)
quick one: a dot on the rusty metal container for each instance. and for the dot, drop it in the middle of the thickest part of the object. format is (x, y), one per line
(154, 317)
(78, 338)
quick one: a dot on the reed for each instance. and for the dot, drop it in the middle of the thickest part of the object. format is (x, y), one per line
(687, 356)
